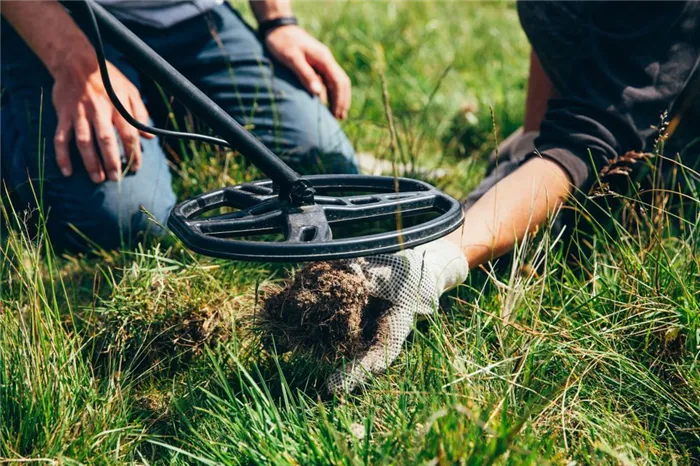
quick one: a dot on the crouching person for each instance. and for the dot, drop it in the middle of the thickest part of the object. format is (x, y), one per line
(598, 87)
(65, 145)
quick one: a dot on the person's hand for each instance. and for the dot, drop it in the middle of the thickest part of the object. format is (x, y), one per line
(412, 281)
(314, 65)
(86, 113)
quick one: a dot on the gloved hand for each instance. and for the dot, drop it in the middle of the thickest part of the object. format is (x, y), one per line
(412, 281)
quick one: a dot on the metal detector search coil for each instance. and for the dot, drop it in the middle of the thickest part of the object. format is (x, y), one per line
(306, 230)
(303, 211)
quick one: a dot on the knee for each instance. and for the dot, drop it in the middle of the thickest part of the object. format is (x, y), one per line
(309, 158)
(109, 219)
(528, 15)
(533, 14)
(113, 214)
(127, 217)
(315, 142)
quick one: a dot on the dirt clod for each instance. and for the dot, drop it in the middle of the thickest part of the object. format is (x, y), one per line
(326, 309)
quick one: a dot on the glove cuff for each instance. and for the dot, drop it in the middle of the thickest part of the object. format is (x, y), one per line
(446, 261)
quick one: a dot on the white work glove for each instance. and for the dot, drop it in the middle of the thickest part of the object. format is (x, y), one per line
(412, 281)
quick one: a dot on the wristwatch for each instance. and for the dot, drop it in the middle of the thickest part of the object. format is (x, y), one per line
(266, 27)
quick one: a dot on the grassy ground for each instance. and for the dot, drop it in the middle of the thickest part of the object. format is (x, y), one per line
(143, 355)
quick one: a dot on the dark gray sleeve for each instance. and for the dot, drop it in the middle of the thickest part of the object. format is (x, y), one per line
(581, 139)
(617, 67)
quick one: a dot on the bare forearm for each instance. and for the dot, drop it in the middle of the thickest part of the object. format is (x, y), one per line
(85, 114)
(265, 10)
(516, 205)
(539, 91)
(521, 202)
(51, 33)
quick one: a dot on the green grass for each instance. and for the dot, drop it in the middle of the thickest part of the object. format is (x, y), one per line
(143, 356)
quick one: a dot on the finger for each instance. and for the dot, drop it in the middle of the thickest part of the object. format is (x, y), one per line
(306, 74)
(107, 142)
(392, 331)
(131, 143)
(323, 96)
(60, 141)
(340, 91)
(342, 95)
(336, 80)
(140, 112)
(345, 98)
(86, 147)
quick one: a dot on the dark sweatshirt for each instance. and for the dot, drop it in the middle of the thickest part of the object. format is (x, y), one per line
(616, 66)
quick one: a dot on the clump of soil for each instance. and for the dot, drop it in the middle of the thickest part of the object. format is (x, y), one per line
(326, 310)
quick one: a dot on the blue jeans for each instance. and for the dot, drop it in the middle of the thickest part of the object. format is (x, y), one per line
(221, 55)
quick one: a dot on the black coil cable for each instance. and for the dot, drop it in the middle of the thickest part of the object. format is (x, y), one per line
(104, 73)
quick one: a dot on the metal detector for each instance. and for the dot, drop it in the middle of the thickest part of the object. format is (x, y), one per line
(288, 217)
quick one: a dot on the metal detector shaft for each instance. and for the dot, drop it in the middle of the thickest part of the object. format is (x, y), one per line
(158, 69)
(288, 217)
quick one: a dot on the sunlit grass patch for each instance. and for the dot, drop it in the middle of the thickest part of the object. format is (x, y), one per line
(145, 356)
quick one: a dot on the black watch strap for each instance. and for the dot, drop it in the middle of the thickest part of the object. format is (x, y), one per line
(265, 27)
